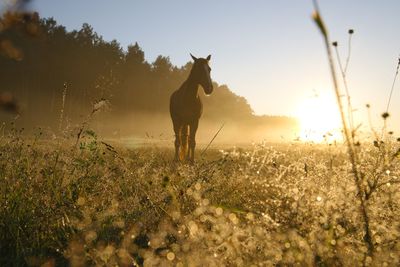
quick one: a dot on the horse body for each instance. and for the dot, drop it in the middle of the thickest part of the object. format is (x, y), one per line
(186, 108)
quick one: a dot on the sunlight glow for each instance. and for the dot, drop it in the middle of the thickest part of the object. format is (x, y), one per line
(319, 118)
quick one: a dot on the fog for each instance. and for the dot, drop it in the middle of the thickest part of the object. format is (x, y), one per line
(61, 81)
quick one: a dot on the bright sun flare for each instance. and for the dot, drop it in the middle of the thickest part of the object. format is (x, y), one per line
(319, 118)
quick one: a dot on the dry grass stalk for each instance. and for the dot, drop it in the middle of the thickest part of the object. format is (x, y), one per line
(350, 145)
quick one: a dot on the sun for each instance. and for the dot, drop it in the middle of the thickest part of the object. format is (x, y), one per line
(319, 118)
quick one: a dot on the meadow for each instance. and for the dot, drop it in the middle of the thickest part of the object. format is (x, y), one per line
(86, 202)
(74, 198)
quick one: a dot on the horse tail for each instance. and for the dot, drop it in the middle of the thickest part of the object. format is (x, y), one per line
(184, 142)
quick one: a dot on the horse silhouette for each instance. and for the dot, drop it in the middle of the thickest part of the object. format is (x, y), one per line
(186, 108)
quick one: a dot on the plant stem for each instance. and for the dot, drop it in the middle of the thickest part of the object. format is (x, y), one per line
(222, 126)
(344, 77)
(394, 82)
(350, 146)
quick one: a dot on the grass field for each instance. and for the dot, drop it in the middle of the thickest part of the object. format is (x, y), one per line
(91, 203)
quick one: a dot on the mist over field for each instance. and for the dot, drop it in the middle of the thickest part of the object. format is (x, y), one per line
(58, 76)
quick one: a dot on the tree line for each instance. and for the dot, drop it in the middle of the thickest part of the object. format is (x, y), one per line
(49, 69)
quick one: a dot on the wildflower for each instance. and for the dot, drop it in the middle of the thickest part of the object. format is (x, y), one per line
(351, 31)
(335, 44)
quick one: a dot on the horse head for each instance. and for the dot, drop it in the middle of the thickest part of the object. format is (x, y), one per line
(201, 71)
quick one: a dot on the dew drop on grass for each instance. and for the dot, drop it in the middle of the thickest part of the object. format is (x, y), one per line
(81, 201)
(197, 195)
(219, 211)
(203, 218)
(278, 257)
(250, 216)
(233, 218)
(193, 227)
(197, 186)
(176, 215)
(170, 256)
(189, 192)
(205, 202)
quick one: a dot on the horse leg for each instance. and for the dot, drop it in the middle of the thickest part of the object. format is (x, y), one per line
(192, 139)
(184, 142)
(177, 130)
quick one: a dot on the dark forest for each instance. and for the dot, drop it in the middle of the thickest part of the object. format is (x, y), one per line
(58, 77)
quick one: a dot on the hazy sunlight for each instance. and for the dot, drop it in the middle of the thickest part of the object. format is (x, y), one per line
(319, 118)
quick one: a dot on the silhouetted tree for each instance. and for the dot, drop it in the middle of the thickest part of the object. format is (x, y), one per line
(85, 67)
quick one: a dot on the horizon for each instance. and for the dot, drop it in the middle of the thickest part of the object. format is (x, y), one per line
(283, 64)
(278, 57)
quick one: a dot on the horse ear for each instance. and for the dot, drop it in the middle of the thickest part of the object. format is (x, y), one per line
(194, 58)
(208, 58)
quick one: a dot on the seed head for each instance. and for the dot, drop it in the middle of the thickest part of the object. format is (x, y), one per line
(385, 115)
(335, 44)
(351, 31)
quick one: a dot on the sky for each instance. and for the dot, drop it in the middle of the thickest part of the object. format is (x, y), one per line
(268, 51)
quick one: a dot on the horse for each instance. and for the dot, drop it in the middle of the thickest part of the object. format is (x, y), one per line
(186, 108)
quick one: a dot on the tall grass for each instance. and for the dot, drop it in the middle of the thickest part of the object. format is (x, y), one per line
(269, 205)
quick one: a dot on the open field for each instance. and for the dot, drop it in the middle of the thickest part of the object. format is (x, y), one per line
(88, 121)
(265, 205)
